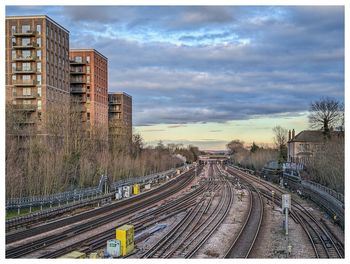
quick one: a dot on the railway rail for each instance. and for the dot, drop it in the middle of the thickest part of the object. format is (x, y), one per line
(324, 244)
(120, 209)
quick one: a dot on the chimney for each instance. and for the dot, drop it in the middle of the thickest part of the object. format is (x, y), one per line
(293, 133)
(289, 135)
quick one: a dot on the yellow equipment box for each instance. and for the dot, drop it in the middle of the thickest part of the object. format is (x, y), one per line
(74, 255)
(136, 189)
(125, 234)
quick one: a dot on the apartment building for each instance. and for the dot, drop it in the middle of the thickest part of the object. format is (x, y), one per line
(37, 65)
(119, 115)
(89, 88)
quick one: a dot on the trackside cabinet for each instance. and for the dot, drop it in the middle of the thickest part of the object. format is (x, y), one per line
(125, 234)
(136, 189)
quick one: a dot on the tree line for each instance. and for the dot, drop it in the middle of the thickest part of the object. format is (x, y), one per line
(66, 157)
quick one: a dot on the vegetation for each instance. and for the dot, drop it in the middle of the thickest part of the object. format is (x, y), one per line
(327, 167)
(59, 155)
(254, 157)
(326, 113)
(280, 140)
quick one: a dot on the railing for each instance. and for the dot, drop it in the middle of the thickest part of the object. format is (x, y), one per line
(79, 194)
(28, 45)
(25, 107)
(24, 82)
(28, 58)
(114, 102)
(318, 187)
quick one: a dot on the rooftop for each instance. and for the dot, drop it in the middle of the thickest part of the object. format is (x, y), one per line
(88, 49)
(313, 136)
(38, 16)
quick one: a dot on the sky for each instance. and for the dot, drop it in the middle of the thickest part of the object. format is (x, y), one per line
(205, 75)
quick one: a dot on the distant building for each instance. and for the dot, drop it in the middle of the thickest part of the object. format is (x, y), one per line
(89, 88)
(306, 144)
(119, 115)
(37, 66)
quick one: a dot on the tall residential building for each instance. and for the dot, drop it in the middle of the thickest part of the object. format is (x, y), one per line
(89, 88)
(119, 115)
(37, 65)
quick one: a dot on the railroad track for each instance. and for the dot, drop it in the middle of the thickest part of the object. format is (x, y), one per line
(244, 242)
(138, 203)
(324, 244)
(189, 234)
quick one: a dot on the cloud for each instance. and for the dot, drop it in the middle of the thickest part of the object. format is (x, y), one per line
(202, 64)
(176, 126)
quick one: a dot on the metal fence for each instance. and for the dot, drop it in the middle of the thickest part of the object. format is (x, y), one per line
(323, 189)
(80, 194)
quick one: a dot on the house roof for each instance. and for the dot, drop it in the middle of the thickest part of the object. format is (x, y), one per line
(313, 136)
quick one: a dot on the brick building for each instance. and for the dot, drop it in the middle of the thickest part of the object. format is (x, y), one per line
(37, 66)
(89, 87)
(119, 115)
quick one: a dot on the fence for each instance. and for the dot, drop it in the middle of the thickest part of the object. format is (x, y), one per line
(80, 194)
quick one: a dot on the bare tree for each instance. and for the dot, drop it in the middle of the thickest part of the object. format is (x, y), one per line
(280, 140)
(326, 113)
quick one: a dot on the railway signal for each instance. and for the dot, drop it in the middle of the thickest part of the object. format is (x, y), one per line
(286, 205)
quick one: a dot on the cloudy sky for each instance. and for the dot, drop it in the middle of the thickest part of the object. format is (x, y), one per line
(206, 75)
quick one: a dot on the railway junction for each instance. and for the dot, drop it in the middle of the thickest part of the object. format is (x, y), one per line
(208, 210)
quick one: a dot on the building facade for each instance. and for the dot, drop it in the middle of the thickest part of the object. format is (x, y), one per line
(307, 144)
(37, 66)
(119, 115)
(89, 88)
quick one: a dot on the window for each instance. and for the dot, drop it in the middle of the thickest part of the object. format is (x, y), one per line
(88, 116)
(88, 59)
(27, 91)
(87, 69)
(38, 54)
(13, 67)
(14, 92)
(26, 77)
(87, 79)
(14, 102)
(78, 59)
(13, 54)
(38, 66)
(14, 78)
(38, 29)
(47, 31)
(26, 66)
(13, 29)
(39, 91)
(38, 79)
(39, 104)
(26, 54)
(38, 42)
(25, 41)
(25, 28)
(26, 102)
(13, 41)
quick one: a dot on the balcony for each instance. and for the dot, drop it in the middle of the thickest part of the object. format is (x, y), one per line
(114, 102)
(24, 71)
(24, 83)
(31, 45)
(77, 81)
(25, 107)
(24, 96)
(73, 62)
(75, 72)
(27, 33)
(78, 90)
(114, 110)
(29, 58)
